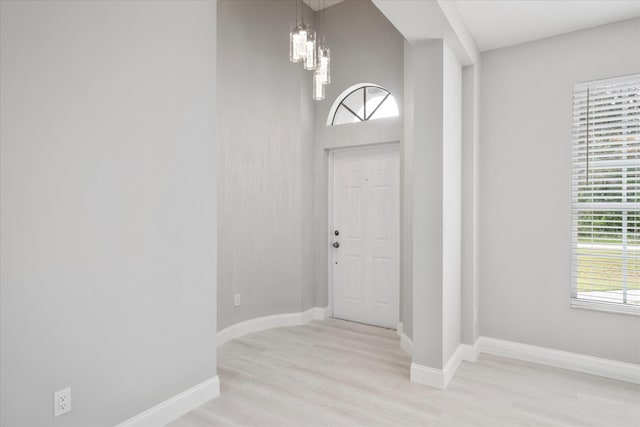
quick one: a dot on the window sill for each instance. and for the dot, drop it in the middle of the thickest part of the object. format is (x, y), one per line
(633, 310)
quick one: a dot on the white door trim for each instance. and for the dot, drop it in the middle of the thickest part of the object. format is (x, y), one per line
(329, 236)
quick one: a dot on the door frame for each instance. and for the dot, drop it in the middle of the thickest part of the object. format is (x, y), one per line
(329, 236)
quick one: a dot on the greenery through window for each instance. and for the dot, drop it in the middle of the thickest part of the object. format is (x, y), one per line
(606, 193)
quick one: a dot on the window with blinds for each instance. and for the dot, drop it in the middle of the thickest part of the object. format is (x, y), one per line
(606, 194)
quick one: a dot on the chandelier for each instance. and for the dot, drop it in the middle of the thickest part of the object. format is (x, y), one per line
(303, 48)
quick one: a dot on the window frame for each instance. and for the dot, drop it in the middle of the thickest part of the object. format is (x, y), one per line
(364, 103)
(340, 102)
(576, 205)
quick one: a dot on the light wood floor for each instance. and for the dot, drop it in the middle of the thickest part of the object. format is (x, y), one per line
(337, 373)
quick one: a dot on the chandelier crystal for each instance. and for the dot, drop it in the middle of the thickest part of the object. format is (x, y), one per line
(310, 51)
(303, 47)
(298, 43)
(318, 86)
(324, 59)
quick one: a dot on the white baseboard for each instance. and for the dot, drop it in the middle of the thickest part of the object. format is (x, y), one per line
(440, 378)
(315, 313)
(562, 359)
(269, 322)
(470, 353)
(425, 375)
(406, 344)
(452, 365)
(176, 406)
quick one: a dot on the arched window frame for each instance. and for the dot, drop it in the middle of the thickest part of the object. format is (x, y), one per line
(348, 92)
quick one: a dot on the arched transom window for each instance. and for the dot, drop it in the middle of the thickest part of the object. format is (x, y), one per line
(362, 102)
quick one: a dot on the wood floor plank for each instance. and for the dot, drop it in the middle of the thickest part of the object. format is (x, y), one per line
(339, 373)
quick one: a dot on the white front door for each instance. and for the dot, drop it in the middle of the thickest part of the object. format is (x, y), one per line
(366, 228)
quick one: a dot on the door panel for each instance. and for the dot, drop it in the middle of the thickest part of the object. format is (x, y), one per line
(380, 280)
(381, 211)
(366, 212)
(353, 282)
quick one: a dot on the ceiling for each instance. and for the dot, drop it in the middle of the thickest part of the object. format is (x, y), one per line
(500, 23)
(321, 4)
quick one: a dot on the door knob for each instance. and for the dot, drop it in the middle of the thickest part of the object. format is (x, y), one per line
(336, 244)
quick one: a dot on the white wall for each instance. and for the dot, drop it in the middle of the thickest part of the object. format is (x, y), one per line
(525, 190)
(265, 111)
(451, 202)
(365, 47)
(108, 206)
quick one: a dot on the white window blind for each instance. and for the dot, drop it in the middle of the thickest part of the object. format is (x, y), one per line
(606, 194)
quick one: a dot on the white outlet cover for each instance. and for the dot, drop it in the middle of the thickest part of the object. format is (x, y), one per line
(62, 402)
(236, 300)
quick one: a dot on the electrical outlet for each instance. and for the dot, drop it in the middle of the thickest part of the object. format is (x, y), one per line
(62, 402)
(236, 300)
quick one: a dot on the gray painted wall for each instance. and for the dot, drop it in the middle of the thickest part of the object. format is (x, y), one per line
(469, 273)
(425, 64)
(451, 202)
(406, 184)
(265, 173)
(365, 47)
(108, 206)
(525, 190)
(433, 133)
